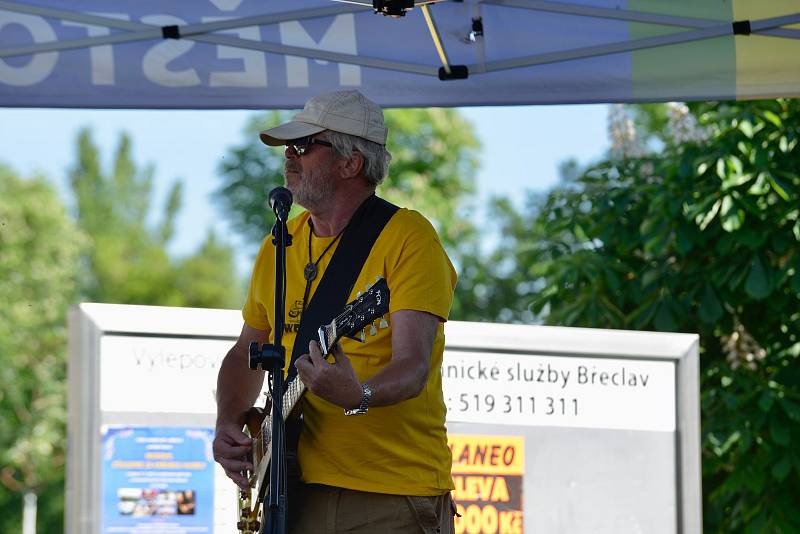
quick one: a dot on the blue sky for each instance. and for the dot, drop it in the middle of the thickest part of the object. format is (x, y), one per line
(522, 148)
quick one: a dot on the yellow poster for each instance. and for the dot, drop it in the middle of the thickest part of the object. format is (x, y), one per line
(487, 472)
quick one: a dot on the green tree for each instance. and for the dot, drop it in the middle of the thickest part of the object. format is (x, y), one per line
(491, 284)
(702, 236)
(39, 264)
(434, 163)
(206, 279)
(128, 261)
(47, 262)
(433, 169)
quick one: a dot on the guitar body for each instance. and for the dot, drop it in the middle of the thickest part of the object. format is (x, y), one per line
(250, 516)
(258, 421)
(253, 420)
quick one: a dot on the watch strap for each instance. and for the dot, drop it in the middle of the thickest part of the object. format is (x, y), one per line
(365, 398)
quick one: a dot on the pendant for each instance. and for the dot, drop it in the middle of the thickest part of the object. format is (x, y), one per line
(310, 272)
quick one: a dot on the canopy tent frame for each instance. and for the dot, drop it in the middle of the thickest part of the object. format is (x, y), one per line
(699, 29)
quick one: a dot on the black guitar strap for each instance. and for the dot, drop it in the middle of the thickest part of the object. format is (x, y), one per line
(339, 278)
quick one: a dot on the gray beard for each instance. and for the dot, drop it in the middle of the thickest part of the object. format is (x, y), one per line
(312, 191)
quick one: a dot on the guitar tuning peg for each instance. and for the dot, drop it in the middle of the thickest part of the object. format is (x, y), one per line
(372, 330)
(362, 336)
(358, 295)
(383, 323)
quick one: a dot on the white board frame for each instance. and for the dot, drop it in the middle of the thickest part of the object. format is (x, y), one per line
(89, 323)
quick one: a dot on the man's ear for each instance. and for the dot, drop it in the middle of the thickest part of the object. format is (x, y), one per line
(352, 166)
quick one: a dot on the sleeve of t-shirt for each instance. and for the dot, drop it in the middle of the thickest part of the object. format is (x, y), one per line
(254, 313)
(422, 277)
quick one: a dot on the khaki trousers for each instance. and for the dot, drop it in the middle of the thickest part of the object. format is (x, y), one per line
(330, 510)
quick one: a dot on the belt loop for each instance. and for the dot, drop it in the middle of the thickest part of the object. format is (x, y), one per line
(423, 509)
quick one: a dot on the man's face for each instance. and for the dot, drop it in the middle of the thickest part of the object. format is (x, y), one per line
(310, 177)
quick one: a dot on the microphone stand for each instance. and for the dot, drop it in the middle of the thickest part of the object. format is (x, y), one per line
(272, 358)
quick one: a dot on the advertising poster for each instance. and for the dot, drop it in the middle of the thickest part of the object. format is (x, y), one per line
(487, 473)
(157, 479)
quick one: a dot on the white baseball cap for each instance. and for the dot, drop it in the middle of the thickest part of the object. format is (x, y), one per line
(347, 112)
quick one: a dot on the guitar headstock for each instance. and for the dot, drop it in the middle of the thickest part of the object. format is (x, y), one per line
(357, 315)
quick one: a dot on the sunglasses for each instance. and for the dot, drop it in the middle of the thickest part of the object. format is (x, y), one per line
(300, 146)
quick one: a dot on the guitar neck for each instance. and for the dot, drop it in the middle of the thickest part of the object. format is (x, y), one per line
(263, 441)
(294, 392)
(291, 396)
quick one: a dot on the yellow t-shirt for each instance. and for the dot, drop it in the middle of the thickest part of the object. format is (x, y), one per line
(400, 449)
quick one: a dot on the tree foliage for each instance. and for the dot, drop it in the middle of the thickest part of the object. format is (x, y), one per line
(701, 236)
(39, 262)
(492, 284)
(49, 261)
(434, 162)
(128, 261)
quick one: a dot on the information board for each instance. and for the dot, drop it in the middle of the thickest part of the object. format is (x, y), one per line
(552, 429)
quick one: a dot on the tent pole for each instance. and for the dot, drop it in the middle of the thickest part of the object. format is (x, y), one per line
(141, 32)
(437, 42)
(721, 30)
(629, 16)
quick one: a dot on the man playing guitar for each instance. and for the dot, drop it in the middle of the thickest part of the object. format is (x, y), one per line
(373, 448)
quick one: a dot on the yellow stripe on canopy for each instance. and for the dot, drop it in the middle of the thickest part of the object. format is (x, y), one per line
(766, 66)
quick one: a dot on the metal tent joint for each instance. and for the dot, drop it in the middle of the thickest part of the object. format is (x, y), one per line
(457, 72)
(741, 27)
(171, 32)
(477, 30)
(392, 8)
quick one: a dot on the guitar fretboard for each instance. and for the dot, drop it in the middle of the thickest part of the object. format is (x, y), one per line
(292, 394)
(294, 391)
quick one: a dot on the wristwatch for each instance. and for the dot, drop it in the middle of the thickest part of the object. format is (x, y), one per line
(364, 406)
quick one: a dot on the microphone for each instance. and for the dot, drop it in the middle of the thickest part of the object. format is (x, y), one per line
(280, 200)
